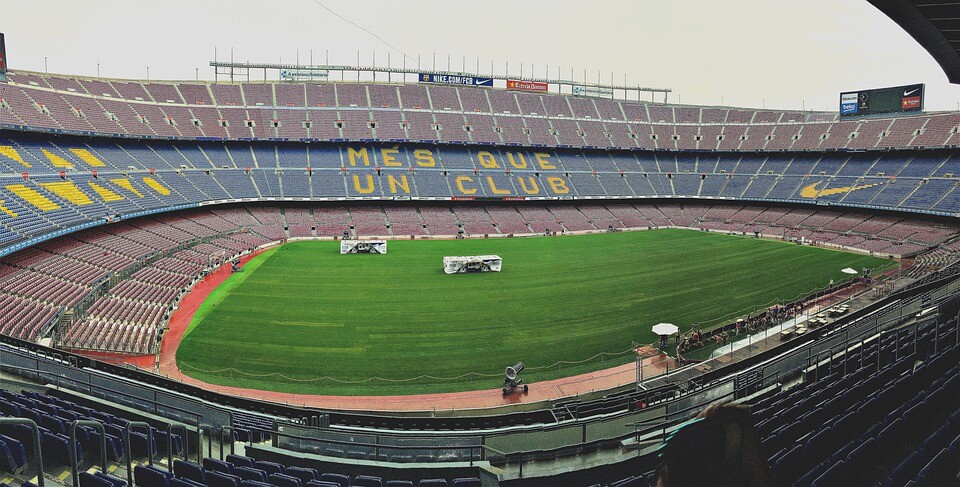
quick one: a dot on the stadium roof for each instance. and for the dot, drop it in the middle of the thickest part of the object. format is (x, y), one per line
(935, 24)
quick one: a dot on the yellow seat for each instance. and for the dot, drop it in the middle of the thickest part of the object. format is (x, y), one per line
(127, 185)
(33, 197)
(56, 160)
(159, 188)
(105, 193)
(11, 153)
(68, 191)
(87, 157)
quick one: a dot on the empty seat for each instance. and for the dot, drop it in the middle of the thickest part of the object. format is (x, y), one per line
(269, 467)
(250, 473)
(337, 478)
(214, 465)
(254, 483)
(220, 479)
(175, 482)
(240, 460)
(115, 481)
(188, 470)
(90, 480)
(146, 476)
(304, 474)
(398, 483)
(282, 480)
(322, 483)
(433, 483)
(832, 477)
(366, 481)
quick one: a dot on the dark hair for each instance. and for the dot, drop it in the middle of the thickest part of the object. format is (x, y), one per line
(703, 453)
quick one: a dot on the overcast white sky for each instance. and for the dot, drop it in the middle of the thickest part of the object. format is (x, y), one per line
(773, 53)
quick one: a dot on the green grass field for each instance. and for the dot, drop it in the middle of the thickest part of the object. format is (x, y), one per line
(303, 318)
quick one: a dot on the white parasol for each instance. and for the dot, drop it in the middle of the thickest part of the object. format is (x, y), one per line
(665, 329)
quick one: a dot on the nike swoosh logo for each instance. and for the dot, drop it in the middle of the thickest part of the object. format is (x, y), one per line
(811, 191)
(907, 93)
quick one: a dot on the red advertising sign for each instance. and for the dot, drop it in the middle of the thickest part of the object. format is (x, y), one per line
(911, 102)
(3, 55)
(538, 86)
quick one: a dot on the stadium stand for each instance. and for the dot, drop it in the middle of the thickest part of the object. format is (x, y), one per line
(116, 196)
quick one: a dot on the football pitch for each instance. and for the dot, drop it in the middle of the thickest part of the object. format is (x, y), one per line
(303, 318)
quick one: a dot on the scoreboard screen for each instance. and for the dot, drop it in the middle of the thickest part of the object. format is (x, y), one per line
(907, 98)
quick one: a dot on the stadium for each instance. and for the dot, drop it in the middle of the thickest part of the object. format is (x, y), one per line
(247, 282)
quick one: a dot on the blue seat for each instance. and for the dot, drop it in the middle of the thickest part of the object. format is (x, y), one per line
(323, 483)
(114, 446)
(249, 473)
(188, 470)
(56, 449)
(269, 467)
(433, 483)
(240, 460)
(904, 472)
(139, 443)
(398, 483)
(816, 448)
(254, 483)
(7, 461)
(941, 471)
(115, 481)
(832, 477)
(789, 466)
(304, 474)
(861, 460)
(163, 442)
(628, 482)
(175, 482)
(337, 478)
(365, 481)
(283, 480)
(146, 476)
(220, 479)
(214, 465)
(90, 480)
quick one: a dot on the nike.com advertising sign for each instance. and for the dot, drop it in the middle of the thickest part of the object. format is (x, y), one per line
(882, 100)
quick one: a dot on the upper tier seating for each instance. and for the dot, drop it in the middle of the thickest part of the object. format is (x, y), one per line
(436, 112)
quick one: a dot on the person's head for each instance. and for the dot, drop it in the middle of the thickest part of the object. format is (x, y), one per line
(720, 448)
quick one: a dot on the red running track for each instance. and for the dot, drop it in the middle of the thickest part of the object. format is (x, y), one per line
(491, 398)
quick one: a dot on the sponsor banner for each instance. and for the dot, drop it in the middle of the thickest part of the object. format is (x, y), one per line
(3, 55)
(912, 98)
(453, 79)
(848, 103)
(848, 108)
(538, 86)
(910, 103)
(594, 91)
(298, 74)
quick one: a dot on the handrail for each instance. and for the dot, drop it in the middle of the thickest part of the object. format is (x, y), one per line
(232, 446)
(73, 447)
(170, 427)
(36, 442)
(128, 454)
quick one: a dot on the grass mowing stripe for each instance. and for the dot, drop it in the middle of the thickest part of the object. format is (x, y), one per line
(226, 287)
(329, 323)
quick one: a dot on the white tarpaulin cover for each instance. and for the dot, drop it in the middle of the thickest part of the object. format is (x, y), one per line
(473, 263)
